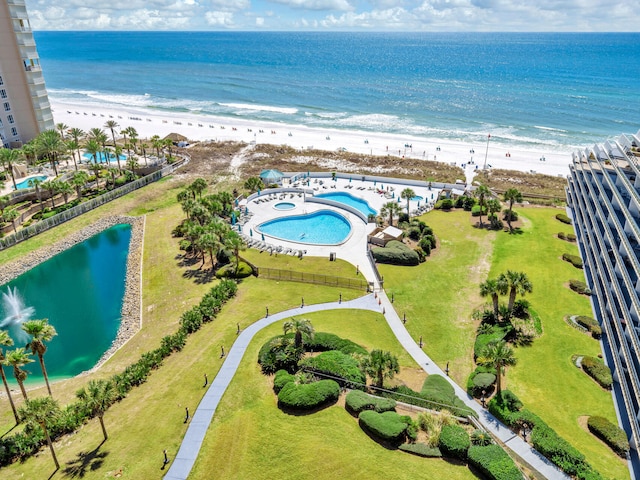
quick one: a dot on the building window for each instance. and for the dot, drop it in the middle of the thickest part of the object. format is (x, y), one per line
(1, 81)
(3, 93)
(14, 131)
(7, 107)
(1, 125)
(10, 119)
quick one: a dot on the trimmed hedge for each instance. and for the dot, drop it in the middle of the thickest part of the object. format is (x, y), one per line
(609, 433)
(598, 371)
(336, 364)
(395, 253)
(475, 387)
(579, 286)
(281, 378)
(574, 260)
(322, 342)
(358, 401)
(571, 237)
(407, 395)
(562, 235)
(454, 442)
(308, 396)
(563, 218)
(493, 462)
(590, 324)
(476, 211)
(387, 426)
(421, 450)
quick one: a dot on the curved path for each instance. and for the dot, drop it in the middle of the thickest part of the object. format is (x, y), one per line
(183, 463)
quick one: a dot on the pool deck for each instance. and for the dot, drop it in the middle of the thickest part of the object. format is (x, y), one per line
(354, 248)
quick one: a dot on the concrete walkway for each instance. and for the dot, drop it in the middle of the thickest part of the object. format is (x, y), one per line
(183, 463)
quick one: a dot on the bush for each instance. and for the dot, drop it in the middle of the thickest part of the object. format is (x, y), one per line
(575, 260)
(444, 204)
(521, 309)
(556, 448)
(438, 390)
(322, 342)
(481, 438)
(454, 442)
(563, 218)
(562, 236)
(281, 378)
(395, 253)
(506, 213)
(590, 324)
(495, 334)
(420, 449)
(279, 353)
(415, 233)
(580, 287)
(425, 245)
(337, 364)
(505, 407)
(407, 395)
(571, 237)
(493, 462)
(483, 381)
(387, 426)
(609, 433)
(229, 271)
(476, 211)
(357, 401)
(308, 396)
(598, 371)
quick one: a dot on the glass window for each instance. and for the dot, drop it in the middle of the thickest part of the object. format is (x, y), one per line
(1, 81)
(10, 119)
(14, 131)
(3, 93)
(7, 107)
(1, 123)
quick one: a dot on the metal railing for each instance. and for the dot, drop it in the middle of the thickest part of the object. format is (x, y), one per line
(315, 278)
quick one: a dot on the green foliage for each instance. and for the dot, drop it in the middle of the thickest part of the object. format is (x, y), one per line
(308, 396)
(609, 433)
(556, 448)
(421, 450)
(437, 389)
(504, 406)
(562, 235)
(229, 271)
(387, 426)
(579, 286)
(590, 324)
(493, 462)
(395, 253)
(571, 237)
(476, 211)
(506, 212)
(495, 334)
(357, 401)
(415, 233)
(322, 342)
(279, 353)
(454, 442)
(483, 381)
(598, 371)
(481, 438)
(407, 395)
(563, 218)
(575, 260)
(337, 364)
(281, 378)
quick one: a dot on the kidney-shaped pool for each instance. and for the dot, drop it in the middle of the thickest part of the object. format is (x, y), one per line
(323, 227)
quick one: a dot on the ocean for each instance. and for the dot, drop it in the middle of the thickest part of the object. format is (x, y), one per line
(544, 91)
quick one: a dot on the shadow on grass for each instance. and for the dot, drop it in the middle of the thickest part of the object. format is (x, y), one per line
(200, 277)
(85, 462)
(303, 413)
(379, 441)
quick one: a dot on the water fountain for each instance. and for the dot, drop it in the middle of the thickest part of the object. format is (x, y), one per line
(15, 312)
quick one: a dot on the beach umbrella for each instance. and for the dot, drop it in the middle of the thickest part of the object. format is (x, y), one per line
(381, 187)
(349, 179)
(239, 228)
(393, 195)
(263, 237)
(432, 196)
(418, 202)
(250, 233)
(258, 192)
(233, 218)
(398, 199)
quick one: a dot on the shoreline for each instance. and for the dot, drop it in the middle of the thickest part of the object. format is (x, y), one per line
(148, 122)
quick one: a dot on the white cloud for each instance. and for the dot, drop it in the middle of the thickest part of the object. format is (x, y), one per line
(219, 19)
(339, 5)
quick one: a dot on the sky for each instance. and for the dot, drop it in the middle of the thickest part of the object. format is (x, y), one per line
(339, 15)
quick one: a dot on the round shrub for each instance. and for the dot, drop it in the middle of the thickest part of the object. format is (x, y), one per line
(575, 260)
(358, 401)
(322, 342)
(571, 237)
(229, 271)
(590, 324)
(562, 235)
(494, 462)
(609, 433)
(337, 364)
(281, 378)
(454, 442)
(563, 218)
(387, 426)
(415, 233)
(308, 396)
(579, 286)
(395, 253)
(481, 438)
(484, 381)
(598, 371)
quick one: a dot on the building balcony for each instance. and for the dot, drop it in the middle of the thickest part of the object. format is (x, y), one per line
(25, 40)
(19, 3)
(35, 79)
(33, 68)
(38, 92)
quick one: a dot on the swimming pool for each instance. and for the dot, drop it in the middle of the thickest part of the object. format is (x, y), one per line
(284, 206)
(25, 183)
(323, 227)
(102, 157)
(416, 198)
(348, 199)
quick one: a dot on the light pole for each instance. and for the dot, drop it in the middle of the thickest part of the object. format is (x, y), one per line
(486, 152)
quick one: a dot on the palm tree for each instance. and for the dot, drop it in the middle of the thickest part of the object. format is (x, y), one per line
(144, 147)
(50, 145)
(98, 396)
(6, 341)
(498, 355)
(18, 358)
(35, 183)
(8, 158)
(482, 193)
(157, 144)
(113, 171)
(42, 411)
(512, 195)
(112, 125)
(40, 332)
(79, 180)
(299, 328)
(494, 288)
(494, 206)
(518, 284)
(198, 186)
(234, 242)
(5, 201)
(208, 242)
(253, 184)
(380, 365)
(96, 169)
(51, 187)
(407, 194)
(93, 148)
(77, 134)
(390, 210)
(73, 147)
(65, 189)
(62, 128)
(10, 216)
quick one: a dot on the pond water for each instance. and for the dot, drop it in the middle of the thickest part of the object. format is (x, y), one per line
(80, 291)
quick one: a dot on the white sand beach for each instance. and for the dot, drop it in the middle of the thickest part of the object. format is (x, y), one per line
(201, 127)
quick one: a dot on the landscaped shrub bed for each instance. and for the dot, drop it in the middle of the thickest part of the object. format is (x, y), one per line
(575, 260)
(357, 401)
(562, 235)
(437, 389)
(598, 371)
(387, 426)
(571, 237)
(269, 356)
(609, 433)
(476, 211)
(563, 218)
(579, 286)
(454, 442)
(590, 324)
(308, 396)
(322, 342)
(395, 253)
(495, 334)
(493, 462)
(480, 381)
(407, 395)
(281, 378)
(26, 443)
(336, 364)
(421, 449)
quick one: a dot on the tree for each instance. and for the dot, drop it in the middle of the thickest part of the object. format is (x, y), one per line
(10, 216)
(5, 201)
(65, 189)
(42, 411)
(50, 145)
(380, 365)
(494, 206)
(18, 358)
(144, 147)
(98, 396)
(112, 125)
(253, 184)
(493, 288)
(6, 341)
(79, 180)
(209, 243)
(50, 186)
(512, 195)
(299, 328)
(390, 210)
(93, 148)
(234, 242)
(518, 284)
(482, 193)
(498, 355)
(40, 332)
(77, 134)
(407, 194)
(8, 158)
(198, 186)
(73, 147)
(35, 183)
(61, 128)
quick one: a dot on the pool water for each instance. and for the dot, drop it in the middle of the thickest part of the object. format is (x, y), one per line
(323, 227)
(25, 183)
(348, 199)
(284, 206)
(416, 198)
(102, 157)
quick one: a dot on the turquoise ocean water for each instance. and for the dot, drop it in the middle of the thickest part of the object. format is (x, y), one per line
(542, 90)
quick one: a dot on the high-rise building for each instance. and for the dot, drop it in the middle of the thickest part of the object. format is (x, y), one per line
(24, 103)
(603, 196)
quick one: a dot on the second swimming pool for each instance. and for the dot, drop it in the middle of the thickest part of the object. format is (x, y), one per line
(323, 227)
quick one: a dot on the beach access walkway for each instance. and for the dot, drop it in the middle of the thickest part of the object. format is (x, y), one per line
(183, 462)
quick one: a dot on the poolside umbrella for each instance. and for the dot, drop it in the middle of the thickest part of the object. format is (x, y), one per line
(398, 199)
(393, 195)
(236, 202)
(263, 237)
(271, 176)
(374, 183)
(240, 228)
(258, 192)
(432, 196)
(418, 202)
(233, 218)
(250, 233)
(349, 179)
